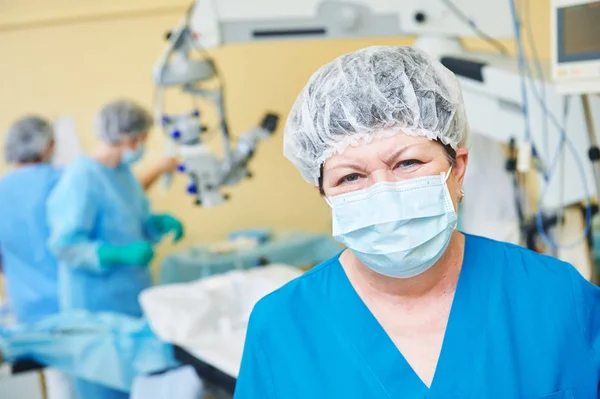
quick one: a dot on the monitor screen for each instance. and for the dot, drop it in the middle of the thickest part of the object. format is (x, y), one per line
(580, 30)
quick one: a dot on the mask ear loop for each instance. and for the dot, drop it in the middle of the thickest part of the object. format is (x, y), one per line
(445, 180)
(448, 174)
(462, 192)
(328, 202)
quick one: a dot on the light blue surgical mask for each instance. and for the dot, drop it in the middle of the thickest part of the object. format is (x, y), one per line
(397, 229)
(129, 157)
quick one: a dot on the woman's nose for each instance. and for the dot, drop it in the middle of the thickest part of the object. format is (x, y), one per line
(384, 174)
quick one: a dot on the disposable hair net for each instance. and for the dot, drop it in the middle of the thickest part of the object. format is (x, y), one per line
(27, 140)
(373, 92)
(122, 118)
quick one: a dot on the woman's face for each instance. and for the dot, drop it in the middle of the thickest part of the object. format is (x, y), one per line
(392, 159)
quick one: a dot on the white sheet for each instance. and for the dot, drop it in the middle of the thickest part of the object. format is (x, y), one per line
(208, 317)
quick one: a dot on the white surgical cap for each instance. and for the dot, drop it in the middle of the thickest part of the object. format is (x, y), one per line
(370, 93)
(27, 140)
(122, 118)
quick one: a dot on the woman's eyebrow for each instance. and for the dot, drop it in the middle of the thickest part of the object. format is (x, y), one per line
(397, 153)
(346, 165)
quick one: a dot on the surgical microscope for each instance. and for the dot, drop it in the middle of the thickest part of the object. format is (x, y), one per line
(206, 172)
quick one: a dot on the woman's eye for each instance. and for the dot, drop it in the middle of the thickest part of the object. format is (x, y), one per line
(408, 163)
(349, 178)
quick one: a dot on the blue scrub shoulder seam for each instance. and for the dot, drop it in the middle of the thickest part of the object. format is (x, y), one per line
(321, 266)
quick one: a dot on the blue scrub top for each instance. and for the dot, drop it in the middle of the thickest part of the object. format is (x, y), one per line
(30, 270)
(522, 325)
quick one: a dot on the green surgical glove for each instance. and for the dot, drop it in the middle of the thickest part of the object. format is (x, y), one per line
(135, 254)
(165, 224)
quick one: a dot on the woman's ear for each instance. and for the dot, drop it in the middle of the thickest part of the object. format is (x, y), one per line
(460, 166)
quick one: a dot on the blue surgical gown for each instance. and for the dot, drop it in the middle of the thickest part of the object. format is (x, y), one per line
(92, 205)
(30, 270)
(522, 325)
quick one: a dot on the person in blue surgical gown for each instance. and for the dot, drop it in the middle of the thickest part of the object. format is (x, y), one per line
(413, 308)
(30, 270)
(102, 228)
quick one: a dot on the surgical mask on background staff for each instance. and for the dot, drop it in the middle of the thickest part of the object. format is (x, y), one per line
(122, 127)
(398, 229)
(129, 157)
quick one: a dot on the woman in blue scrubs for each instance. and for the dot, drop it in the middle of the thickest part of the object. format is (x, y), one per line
(413, 308)
(102, 228)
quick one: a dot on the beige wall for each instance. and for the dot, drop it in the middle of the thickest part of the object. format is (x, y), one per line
(64, 57)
